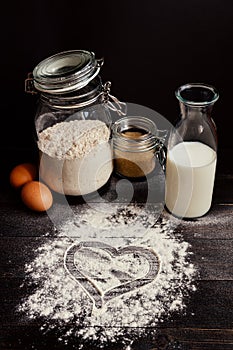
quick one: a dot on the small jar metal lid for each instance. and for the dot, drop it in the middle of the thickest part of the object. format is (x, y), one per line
(66, 71)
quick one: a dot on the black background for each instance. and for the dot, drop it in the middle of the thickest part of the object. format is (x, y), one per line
(150, 48)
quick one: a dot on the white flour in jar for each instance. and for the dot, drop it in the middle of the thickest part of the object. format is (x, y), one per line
(63, 303)
(75, 156)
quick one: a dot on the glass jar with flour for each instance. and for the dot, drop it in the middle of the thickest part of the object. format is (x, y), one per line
(73, 122)
(192, 153)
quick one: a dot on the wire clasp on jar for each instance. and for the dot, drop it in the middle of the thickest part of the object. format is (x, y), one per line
(161, 150)
(112, 102)
(29, 84)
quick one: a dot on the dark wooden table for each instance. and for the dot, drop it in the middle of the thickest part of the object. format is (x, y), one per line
(208, 322)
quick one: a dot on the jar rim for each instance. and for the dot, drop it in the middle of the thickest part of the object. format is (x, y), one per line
(197, 94)
(134, 122)
(145, 142)
(66, 71)
(88, 95)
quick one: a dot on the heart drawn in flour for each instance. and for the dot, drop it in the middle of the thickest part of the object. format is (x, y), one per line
(105, 272)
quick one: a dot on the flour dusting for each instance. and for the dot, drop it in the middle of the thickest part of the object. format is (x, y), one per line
(130, 239)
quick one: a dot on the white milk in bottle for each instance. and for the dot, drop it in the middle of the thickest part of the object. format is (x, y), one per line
(190, 173)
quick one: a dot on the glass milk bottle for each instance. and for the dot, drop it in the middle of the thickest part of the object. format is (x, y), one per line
(192, 153)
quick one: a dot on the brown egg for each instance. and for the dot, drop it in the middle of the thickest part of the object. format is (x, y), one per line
(36, 196)
(22, 173)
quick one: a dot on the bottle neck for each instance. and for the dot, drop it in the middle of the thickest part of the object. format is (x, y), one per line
(196, 100)
(195, 112)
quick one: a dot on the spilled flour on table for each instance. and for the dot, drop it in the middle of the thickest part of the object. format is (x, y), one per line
(109, 277)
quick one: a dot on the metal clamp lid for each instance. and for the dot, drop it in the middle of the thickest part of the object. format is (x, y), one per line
(64, 72)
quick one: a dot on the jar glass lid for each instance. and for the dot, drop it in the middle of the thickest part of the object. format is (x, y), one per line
(66, 71)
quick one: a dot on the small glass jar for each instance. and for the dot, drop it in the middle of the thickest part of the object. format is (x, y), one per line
(72, 122)
(136, 143)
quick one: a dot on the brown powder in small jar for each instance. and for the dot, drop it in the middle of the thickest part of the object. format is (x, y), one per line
(134, 164)
(134, 133)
